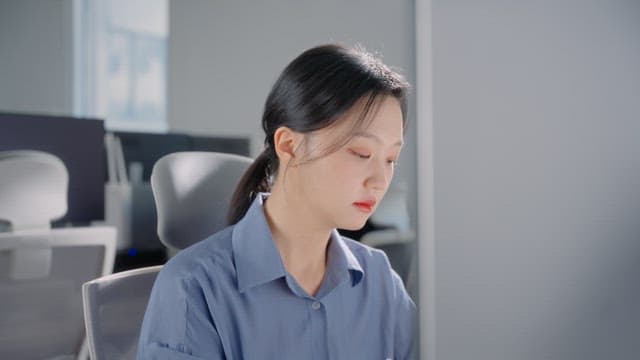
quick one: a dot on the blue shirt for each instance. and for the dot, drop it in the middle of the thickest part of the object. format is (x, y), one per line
(230, 297)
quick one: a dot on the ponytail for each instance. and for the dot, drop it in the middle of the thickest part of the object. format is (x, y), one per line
(255, 180)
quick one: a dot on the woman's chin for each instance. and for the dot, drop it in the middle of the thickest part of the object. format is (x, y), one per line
(353, 225)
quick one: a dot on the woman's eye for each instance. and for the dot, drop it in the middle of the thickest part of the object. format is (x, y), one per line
(360, 155)
(393, 162)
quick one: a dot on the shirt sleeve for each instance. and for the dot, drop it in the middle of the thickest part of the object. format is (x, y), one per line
(177, 323)
(405, 346)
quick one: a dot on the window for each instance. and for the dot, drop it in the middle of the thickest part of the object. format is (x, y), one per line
(121, 62)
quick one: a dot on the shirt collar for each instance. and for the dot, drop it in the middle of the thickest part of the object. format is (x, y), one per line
(256, 257)
(341, 262)
(258, 261)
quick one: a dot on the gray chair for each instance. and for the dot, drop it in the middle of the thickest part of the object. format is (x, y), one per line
(42, 269)
(114, 306)
(192, 191)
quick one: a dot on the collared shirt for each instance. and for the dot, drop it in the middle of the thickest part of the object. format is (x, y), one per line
(230, 297)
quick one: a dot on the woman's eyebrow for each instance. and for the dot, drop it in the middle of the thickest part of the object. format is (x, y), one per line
(374, 137)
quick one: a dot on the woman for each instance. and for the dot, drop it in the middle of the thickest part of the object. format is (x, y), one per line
(280, 282)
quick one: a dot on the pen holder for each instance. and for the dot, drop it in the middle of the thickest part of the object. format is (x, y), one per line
(117, 211)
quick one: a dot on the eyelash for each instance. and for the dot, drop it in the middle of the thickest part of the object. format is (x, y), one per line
(364, 157)
(361, 156)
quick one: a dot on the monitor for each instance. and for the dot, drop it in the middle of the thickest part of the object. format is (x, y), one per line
(147, 148)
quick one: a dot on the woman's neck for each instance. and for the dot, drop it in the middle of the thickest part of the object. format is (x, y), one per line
(301, 241)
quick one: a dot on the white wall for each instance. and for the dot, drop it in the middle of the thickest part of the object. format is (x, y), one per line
(536, 109)
(225, 55)
(36, 56)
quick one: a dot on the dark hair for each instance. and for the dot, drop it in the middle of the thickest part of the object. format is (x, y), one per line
(312, 93)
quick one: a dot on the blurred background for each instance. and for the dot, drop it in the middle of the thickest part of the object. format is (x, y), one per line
(197, 68)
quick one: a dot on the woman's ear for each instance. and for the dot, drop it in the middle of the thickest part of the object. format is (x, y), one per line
(286, 142)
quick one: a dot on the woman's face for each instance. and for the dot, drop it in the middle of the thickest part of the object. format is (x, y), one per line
(343, 189)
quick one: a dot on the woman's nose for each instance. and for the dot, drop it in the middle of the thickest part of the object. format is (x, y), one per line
(380, 176)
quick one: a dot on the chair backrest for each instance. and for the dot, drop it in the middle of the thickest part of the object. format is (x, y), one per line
(192, 191)
(114, 307)
(41, 316)
(28, 177)
(42, 269)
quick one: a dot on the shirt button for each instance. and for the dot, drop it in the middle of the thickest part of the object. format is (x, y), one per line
(315, 305)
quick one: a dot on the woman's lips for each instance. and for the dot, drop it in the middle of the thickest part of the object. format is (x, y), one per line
(365, 206)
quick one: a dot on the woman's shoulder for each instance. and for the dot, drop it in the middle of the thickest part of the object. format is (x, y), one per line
(209, 257)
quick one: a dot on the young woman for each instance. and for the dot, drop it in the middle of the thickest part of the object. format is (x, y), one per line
(280, 282)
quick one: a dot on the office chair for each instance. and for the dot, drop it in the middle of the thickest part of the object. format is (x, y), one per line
(192, 191)
(114, 306)
(42, 269)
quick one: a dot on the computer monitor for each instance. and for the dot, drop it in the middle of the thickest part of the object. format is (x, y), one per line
(147, 148)
(78, 142)
(231, 145)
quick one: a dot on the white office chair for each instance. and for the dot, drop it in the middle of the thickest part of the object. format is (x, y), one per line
(42, 269)
(192, 191)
